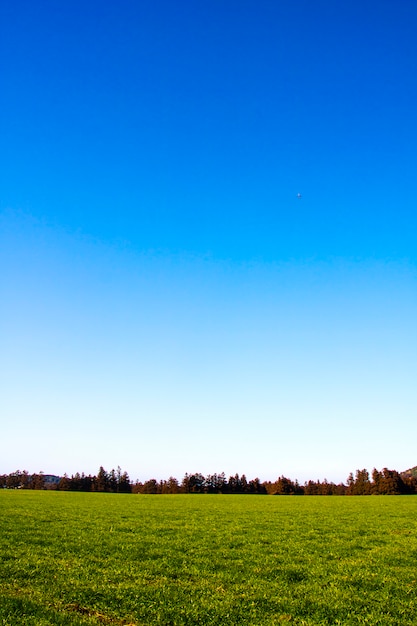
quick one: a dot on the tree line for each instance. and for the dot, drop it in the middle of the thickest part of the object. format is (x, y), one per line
(384, 482)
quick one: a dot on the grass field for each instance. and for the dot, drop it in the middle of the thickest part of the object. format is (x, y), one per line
(73, 558)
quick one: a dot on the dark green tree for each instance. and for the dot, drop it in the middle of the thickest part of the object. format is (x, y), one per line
(101, 482)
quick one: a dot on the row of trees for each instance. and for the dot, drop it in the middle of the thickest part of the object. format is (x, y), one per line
(385, 482)
(197, 483)
(114, 481)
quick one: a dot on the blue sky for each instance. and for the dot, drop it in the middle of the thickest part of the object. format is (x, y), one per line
(168, 304)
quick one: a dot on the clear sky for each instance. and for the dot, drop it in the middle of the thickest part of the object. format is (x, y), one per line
(168, 303)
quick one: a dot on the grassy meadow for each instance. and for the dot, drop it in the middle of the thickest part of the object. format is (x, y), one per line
(95, 558)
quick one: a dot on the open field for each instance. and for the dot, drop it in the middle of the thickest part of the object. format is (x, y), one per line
(77, 558)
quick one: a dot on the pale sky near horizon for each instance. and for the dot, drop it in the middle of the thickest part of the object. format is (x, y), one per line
(168, 304)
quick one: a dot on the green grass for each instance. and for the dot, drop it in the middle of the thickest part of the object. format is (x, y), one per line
(76, 559)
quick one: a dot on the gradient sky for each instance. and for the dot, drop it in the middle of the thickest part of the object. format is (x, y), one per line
(168, 304)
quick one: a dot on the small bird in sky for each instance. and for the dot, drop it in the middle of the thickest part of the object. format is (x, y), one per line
(299, 196)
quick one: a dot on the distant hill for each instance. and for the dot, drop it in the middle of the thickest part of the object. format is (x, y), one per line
(51, 479)
(410, 472)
